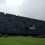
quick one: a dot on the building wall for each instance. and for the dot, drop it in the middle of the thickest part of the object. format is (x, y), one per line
(10, 23)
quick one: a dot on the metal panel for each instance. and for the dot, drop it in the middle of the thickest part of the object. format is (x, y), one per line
(18, 30)
(43, 30)
(2, 28)
(39, 26)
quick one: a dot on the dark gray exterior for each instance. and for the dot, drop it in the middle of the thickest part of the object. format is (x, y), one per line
(12, 24)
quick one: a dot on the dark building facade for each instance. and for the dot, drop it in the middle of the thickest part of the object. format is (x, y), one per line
(12, 24)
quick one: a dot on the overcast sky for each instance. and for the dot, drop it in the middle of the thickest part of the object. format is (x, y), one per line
(28, 8)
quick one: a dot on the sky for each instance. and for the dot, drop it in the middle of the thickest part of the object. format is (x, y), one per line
(27, 8)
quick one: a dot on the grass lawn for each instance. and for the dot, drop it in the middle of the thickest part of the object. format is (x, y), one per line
(20, 40)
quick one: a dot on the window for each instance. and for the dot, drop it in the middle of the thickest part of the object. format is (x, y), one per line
(32, 27)
(1, 22)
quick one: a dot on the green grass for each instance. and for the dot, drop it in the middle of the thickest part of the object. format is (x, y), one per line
(20, 40)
